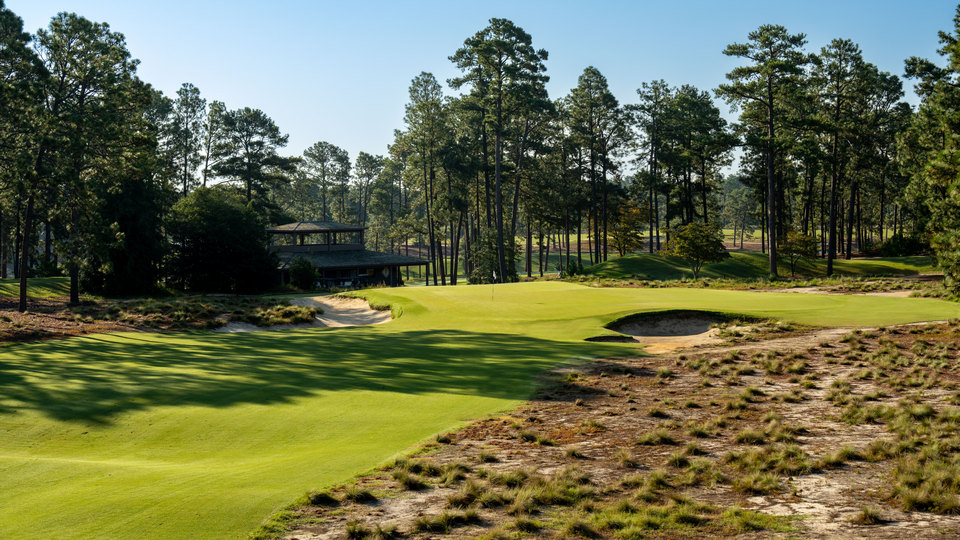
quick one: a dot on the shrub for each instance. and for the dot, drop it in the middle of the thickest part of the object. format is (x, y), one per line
(445, 521)
(302, 274)
(656, 437)
(868, 516)
(902, 246)
(757, 483)
(358, 494)
(356, 529)
(322, 498)
(409, 481)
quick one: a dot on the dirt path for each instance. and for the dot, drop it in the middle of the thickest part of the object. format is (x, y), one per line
(337, 312)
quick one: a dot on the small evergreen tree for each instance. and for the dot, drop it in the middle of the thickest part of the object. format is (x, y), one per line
(797, 246)
(627, 229)
(697, 244)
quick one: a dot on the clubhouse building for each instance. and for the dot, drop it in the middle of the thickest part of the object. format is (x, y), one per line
(337, 253)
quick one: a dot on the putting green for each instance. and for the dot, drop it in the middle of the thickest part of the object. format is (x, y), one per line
(139, 435)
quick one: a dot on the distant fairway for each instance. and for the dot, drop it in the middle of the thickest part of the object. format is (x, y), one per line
(37, 287)
(755, 265)
(140, 435)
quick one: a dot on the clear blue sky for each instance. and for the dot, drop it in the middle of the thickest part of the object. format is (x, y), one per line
(339, 71)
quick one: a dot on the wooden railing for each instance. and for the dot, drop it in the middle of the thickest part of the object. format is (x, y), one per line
(315, 248)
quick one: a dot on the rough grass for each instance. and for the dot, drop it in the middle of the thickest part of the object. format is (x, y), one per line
(906, 458)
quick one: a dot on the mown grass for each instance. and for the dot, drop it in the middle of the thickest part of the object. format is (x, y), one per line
(46, 287)
(203, 435)
(753, 265)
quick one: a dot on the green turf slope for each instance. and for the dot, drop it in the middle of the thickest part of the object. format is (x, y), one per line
(140, 435)
(37, 287)
(754, 265)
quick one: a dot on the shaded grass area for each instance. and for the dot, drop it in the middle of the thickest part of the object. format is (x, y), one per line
(136, 428)
(203, 435)
(754, 265)
(36, 287)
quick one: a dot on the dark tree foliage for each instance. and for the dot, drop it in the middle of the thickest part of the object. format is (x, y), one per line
(484, 255)
(132, 263)
(932, 156)
(218, 244)
(302, 274)
(697, 244)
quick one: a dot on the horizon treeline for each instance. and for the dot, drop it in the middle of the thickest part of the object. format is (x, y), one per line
(100, 171)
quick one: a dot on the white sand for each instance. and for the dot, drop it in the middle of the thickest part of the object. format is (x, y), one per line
(337, 312)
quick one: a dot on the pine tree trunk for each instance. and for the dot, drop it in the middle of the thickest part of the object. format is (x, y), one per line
(547, 255)
(579, 240)
(529, 249)
(3, 247)
(603, 191)
(540, 249)
(832, 225)
(74, 284)
(771, 196)
(651, 211)
(882, 209)
(850, 220)
(656, 216)
(498, 196)
(25, 256)
(441, 258)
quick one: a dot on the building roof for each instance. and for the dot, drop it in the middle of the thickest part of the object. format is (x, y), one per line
(307, 227)
(350, 259)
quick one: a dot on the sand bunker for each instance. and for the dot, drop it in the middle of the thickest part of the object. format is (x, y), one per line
(830, 290)
(666, 331)
(337, 312)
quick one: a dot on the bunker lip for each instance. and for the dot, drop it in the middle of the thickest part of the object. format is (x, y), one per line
(338, 312)
(670, 323)
(664, 331)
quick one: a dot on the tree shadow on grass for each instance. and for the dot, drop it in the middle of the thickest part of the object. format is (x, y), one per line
(94, 379)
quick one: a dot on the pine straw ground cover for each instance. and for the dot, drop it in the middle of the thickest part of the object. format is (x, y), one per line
(819, 433)
(49, 318)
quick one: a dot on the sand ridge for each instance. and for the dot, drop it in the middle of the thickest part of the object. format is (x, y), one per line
(338, 312)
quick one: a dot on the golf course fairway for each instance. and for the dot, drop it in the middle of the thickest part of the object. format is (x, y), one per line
(203, 435)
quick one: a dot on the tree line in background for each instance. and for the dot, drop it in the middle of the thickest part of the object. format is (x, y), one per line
(119, 187)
